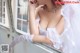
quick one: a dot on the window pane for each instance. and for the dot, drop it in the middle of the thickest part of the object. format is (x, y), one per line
(3, 3)
(0, 0)
(25, 17)
(22, 15)
(24, 28)
(0, 19)
(19, 15)
(0, 8)
(3, 9)
(21, 2)
(0, 14)
(24, 0)
(0, 3)
(3, 15)
(19, 24)
(18, 2)
(4, 20)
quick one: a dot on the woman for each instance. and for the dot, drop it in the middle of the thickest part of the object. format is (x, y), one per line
(45, 17)
(51, 24)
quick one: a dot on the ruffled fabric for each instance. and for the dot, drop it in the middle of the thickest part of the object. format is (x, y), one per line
(69, 39)
(71, 36)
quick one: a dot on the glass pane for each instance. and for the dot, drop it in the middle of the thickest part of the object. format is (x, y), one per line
(3, 9)
(0, 14)
(25, 16)
(18, 2)
(0, 3)
(3, 15)
(24, 0)
(19, 24)
(3, 3)
(0, 0)
(0, 19)
(24, 28)
(21, 2)
(19, 15)
(0, 9)
(3, 20)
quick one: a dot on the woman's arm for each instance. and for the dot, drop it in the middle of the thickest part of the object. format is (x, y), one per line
(32, 18)
(33, 13)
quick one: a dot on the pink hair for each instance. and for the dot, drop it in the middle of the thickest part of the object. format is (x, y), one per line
(57, 2)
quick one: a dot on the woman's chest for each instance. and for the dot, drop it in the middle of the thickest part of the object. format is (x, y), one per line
(49, 21)
(45, 24)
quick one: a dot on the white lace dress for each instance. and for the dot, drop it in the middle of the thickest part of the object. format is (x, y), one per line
(69, 39)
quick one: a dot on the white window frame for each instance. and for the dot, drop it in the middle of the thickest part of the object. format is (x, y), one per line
(6, 23)
(15, 7)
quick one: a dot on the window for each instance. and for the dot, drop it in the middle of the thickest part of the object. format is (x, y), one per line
(21, 18)
(2, 11)
(3, 14)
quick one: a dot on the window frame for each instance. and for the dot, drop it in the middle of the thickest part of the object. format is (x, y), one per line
(4, 19)
(16, 19)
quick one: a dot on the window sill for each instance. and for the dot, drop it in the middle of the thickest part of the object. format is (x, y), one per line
(4, 27)
(47, 47)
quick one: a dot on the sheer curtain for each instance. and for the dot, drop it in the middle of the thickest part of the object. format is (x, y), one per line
(72, 36)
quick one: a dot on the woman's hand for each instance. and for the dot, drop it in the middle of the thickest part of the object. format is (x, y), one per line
(34, 8)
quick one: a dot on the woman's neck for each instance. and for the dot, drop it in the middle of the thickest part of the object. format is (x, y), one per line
(54, 16)
(51, 7)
